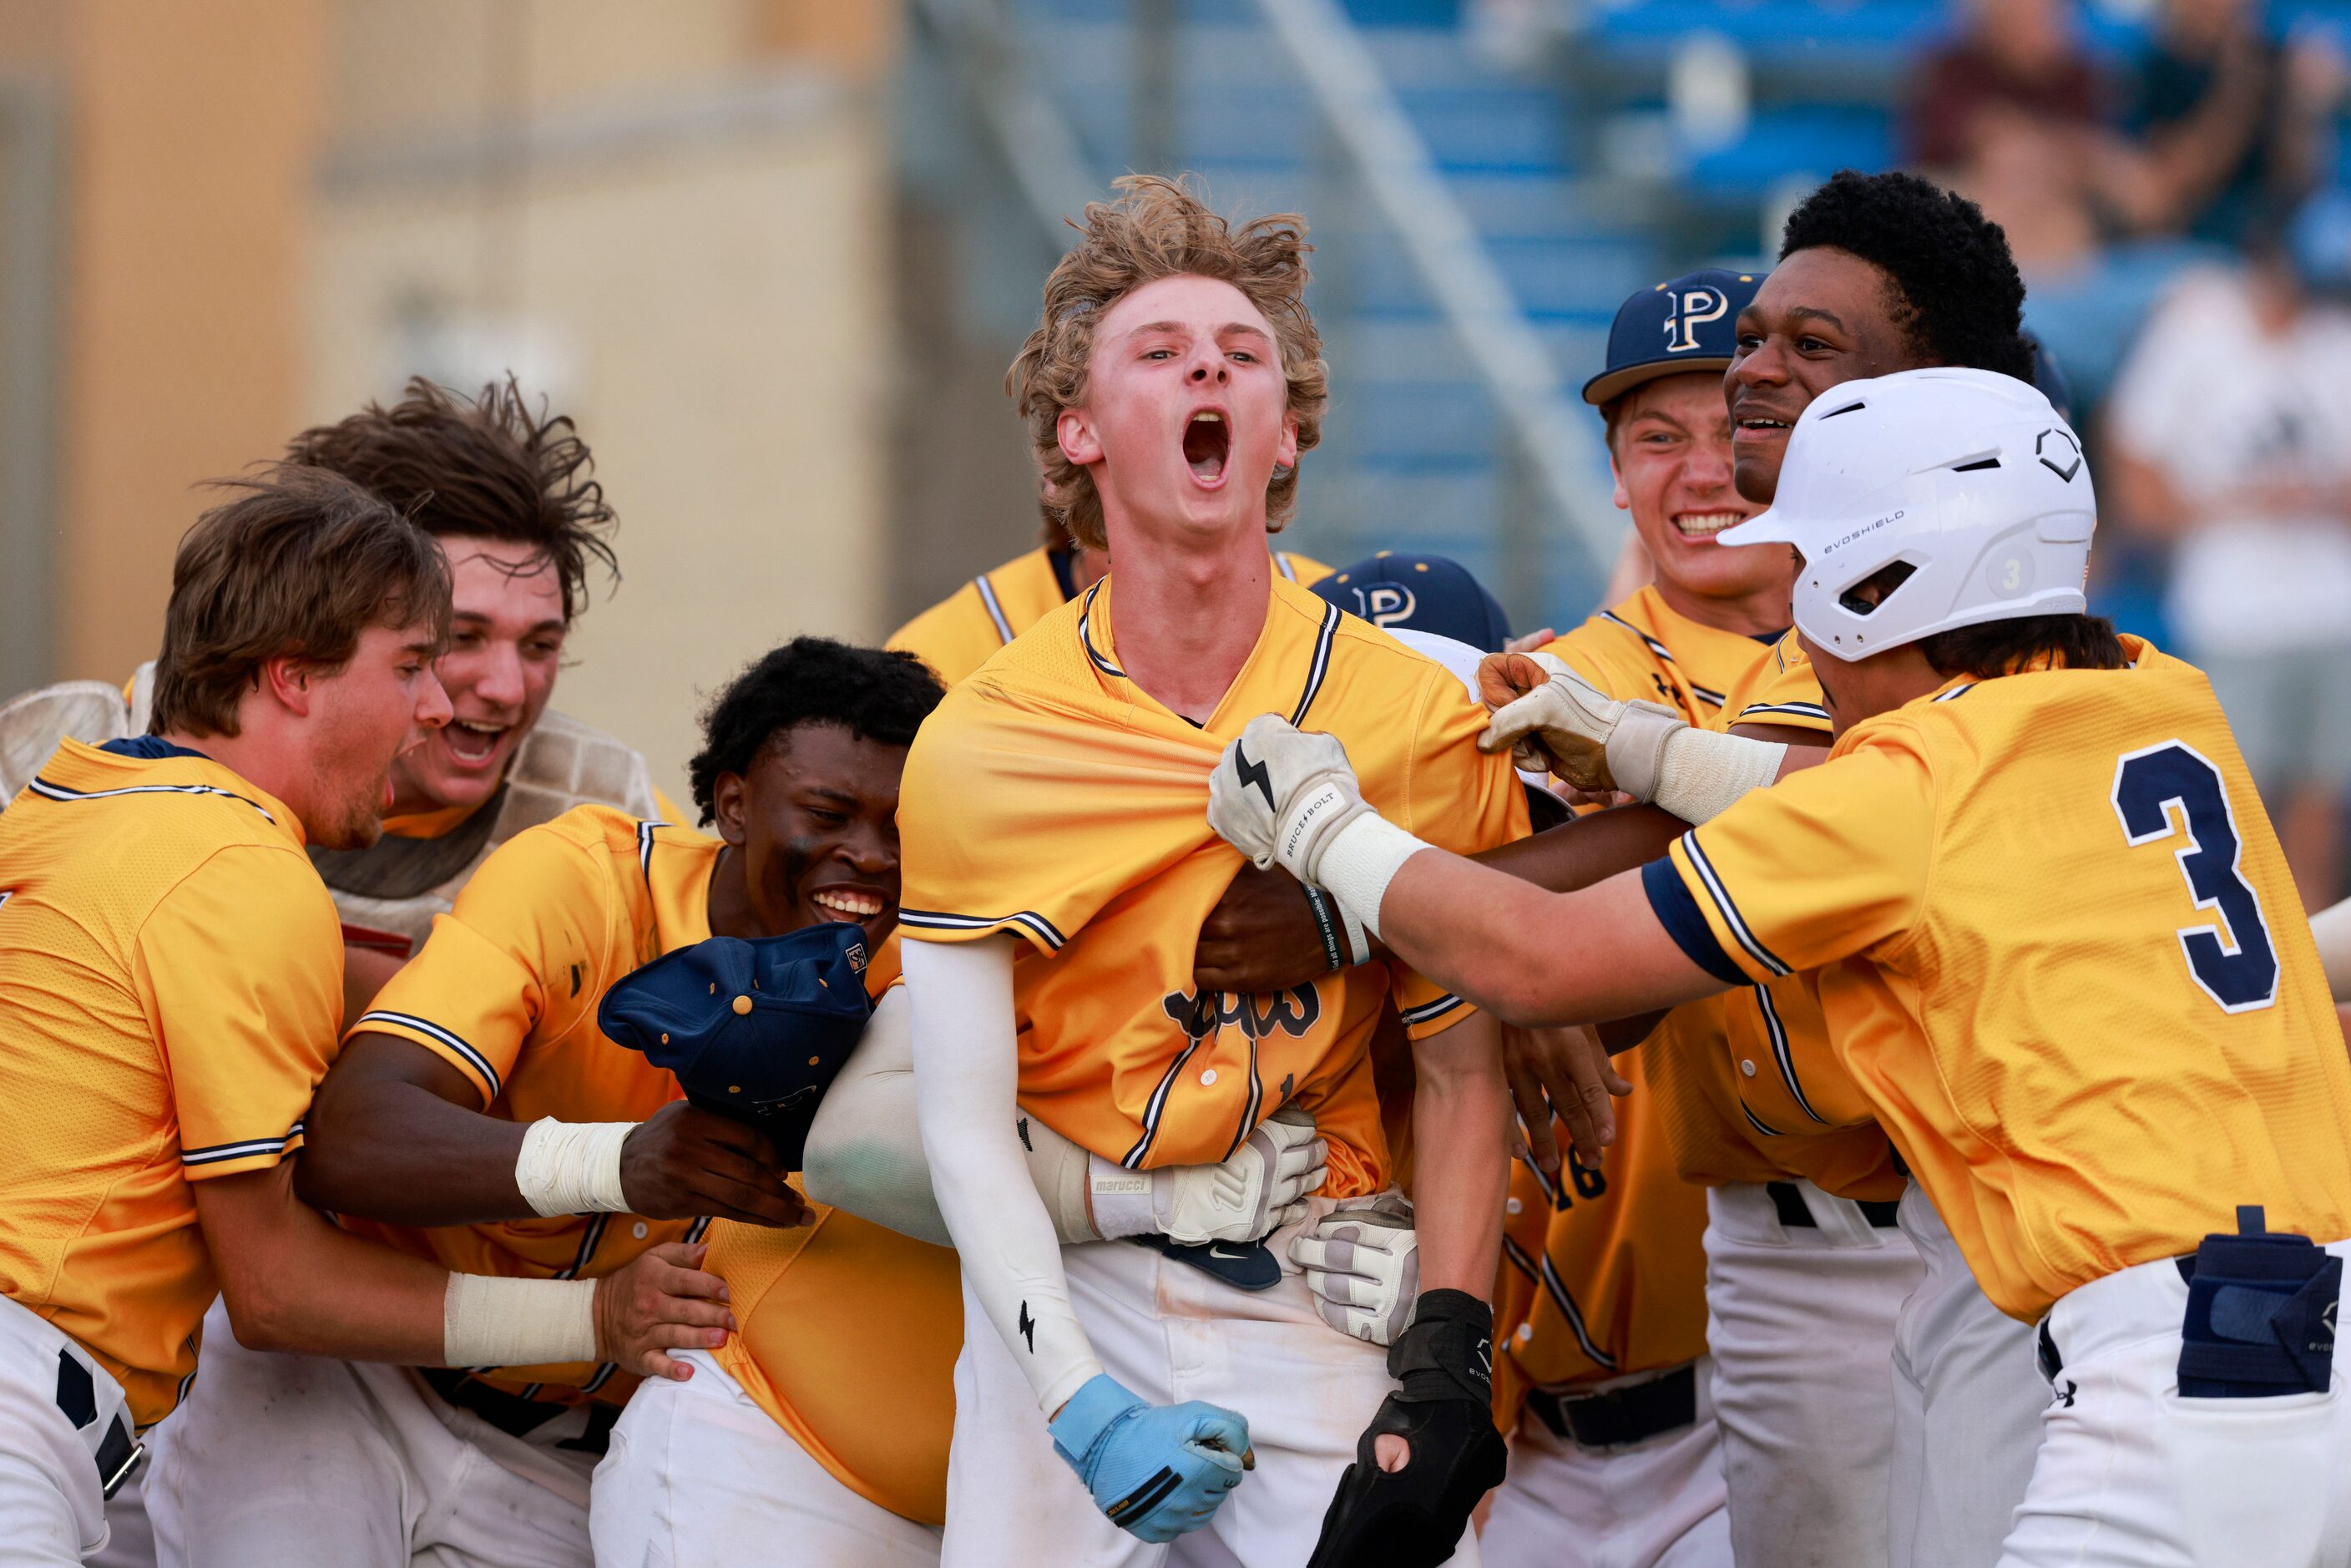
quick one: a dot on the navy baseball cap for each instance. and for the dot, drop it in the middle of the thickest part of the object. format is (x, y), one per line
(1689, 323)
(1422, 593)
(755, 1029)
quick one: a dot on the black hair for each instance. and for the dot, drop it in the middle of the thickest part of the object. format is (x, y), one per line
(876, 694)
(1961, 300)
(1992, 648)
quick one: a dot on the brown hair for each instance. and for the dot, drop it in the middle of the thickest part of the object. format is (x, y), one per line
(295, 566)
(1160, 229)
(489, 468)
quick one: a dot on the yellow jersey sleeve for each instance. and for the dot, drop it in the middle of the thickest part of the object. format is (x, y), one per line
(243, 962)
(521, 951)
(1613, 659)
(1458, 799)
(1781, 689)
(1828, 863)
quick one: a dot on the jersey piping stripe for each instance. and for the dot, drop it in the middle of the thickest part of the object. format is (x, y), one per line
(1731, 917)
(587, 1244)
(1549, 1187)
(645, 848)
(1429, 1011)
(1757, 1121)
(1320, 666)
(474, 1058)
(995, 610)
(602, 1376)
(1659, 649)
(1157, 1108)
(42, 787)
(1781, 1054)
(1249, 1106)
(1955, 692)
(214, 1154)
(1716, 698)
(1518, 1258)
(1028, 920)
(1086, 638)
(1557, 1289)
(1794, 710)
(1282, 564)
(698, 1230)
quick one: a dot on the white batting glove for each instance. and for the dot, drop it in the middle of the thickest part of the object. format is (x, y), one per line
(1281, 794)
(1553, 718)
(1262, 1188)
(1362, 1264)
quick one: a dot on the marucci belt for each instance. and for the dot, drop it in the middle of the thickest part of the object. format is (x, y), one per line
(118, 1452)
(514, 1415)
(1615, 1416)
(1794, 1210)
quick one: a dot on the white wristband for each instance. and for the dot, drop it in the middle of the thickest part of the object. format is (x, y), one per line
(1359, 945)
(1704, 772)
(572, 1168)
(1358, 865)
(489, 1322)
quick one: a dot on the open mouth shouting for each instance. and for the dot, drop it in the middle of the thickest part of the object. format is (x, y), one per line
(1207, 446)
(474, 744)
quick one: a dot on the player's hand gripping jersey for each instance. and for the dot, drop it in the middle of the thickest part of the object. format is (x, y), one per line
(171, 983)
(1051, 797)
(963, 631)
(839, 1318)
(1991, 890)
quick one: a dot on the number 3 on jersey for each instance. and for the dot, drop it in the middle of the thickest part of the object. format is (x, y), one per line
(2238, 970)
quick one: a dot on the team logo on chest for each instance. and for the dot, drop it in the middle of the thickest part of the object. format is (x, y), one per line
(1199, 1015)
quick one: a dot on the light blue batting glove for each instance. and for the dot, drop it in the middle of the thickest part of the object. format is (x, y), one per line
(1157, 1470)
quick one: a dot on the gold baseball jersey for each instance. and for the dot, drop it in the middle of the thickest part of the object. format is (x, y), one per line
(963, 631)
(2055, 944)
(1752, 1091)
(1612, 1277)
(170, 986)
(1051, 797)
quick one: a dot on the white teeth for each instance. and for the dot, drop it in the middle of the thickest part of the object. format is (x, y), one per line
(847, 903)
(1205, 417)
(1704, 522)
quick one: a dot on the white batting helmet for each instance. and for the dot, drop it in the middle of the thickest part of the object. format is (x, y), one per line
(1968, 477)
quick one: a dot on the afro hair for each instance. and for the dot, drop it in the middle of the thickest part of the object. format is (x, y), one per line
(1962, 302)
(876, 694)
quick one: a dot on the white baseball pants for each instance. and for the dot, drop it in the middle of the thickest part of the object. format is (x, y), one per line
(699, 1474)
(1657, 1503)
(52, 1509)
(1968, 1402)
(297, 1460)
(1799, 1325)
(2130, 1475)
(1170, 1333)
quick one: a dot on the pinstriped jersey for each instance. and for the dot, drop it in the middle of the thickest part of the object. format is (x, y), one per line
(1051, 797)
(963, 631)
(1754, 1091)
(170, 986)
(2057, 947)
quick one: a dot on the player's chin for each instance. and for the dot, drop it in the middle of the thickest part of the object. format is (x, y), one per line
(357, 827)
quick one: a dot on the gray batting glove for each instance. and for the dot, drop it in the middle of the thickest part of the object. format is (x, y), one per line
(1280, 793)
(1362, 1264)
(1551, 717)
(1263, 1186)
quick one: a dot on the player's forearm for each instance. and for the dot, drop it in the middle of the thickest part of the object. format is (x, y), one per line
(1461, 1121)
(384, 1147)
(967, 1084)
(1530, 957)
(1587, 850)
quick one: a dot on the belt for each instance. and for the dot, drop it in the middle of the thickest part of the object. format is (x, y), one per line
(1615, 1417)
(118, 1453)
(514, 1415)
(1794, 1210)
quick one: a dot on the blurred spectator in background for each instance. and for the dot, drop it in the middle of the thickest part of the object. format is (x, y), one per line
(2229, 431)
(2230, 118)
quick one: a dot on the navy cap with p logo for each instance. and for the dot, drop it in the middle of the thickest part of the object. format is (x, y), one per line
(1688, 324)
(756, 1029)
(1422, 593)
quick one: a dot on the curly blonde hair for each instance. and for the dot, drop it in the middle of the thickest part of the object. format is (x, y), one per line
(1158, 228)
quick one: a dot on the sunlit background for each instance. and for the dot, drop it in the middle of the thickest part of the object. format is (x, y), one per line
(775, 254)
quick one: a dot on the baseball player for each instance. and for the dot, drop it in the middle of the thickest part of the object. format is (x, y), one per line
(2031, 838)
(170, 990)
(1826, 1457)
(1111, 1397)
(963, 631)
